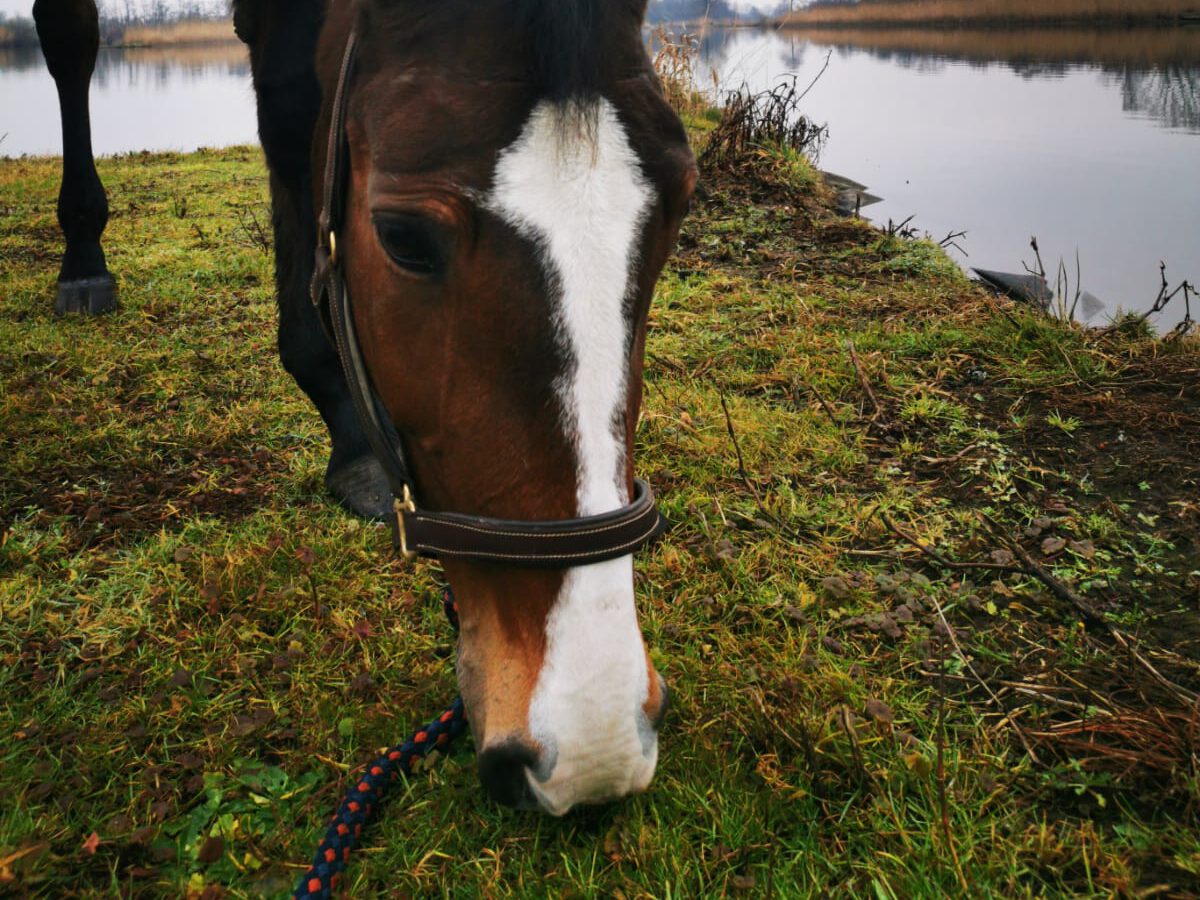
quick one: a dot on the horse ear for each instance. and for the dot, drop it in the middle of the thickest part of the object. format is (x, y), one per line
(245, 20)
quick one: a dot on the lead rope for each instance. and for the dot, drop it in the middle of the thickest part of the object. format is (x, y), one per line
(365, 798)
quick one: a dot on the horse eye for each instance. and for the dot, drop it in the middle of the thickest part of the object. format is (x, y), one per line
(413, 244)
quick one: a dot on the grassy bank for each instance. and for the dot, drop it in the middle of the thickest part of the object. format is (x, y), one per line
(198, 648)
(876, 13)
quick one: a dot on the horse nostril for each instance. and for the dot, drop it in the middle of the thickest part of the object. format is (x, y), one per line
(663, 706)
(502, 771)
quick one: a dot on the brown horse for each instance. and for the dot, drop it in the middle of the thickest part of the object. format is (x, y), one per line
(510, 183)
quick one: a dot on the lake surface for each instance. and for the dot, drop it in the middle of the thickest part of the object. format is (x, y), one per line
(178, 98)
(1089, 140)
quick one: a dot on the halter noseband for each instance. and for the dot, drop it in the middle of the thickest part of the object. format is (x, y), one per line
(556, 544)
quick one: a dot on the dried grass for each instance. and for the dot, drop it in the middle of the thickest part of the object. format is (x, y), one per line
(189, 31)
(676, 60)
(1129, 742)
(753, 124)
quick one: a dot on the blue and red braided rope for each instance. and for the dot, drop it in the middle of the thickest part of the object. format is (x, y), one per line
(365, 798)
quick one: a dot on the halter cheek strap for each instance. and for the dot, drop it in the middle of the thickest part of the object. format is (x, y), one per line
(555, 544)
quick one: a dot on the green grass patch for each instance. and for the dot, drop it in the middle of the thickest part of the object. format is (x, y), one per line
(198, 648)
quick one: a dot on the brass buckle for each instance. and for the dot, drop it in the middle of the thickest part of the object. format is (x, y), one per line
(402, 506)
(333, 260)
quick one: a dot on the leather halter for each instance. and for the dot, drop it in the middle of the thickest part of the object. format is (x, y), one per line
(554, 544)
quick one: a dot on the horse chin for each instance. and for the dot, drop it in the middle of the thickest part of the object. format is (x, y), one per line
(585, 786)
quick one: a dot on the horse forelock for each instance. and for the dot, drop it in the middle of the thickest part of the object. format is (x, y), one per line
(565, 40)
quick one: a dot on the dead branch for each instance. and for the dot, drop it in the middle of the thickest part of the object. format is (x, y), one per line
(252, 230)
(862, 378)
(744, 477)
(978, 678)
(951, 240)
(903, 229)
(937, 557)
(943, 804)
(943, 460)
(1164, 298)
(820, 398)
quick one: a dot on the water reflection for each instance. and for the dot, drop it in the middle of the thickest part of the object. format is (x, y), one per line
(19, 59)
(161, 66)
(194, 61)
(154, 98)
(1158, 70)
(1170, 96)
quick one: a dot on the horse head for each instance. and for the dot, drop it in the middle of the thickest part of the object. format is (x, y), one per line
(513, 182)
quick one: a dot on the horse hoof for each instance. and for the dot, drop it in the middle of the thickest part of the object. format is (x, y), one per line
(362, 488)
(86, 296)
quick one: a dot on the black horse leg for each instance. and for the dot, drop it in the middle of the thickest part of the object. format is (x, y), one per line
(282, 37)
(69, 33)
(353, 476)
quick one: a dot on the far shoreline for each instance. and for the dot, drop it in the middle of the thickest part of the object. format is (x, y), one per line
(994, 14)
(996, 24)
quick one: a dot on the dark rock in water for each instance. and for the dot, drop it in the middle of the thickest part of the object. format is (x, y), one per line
(1030, 288)
(851, 195)
(842, 183)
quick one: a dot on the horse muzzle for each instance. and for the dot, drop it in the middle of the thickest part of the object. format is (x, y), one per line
(518, 774)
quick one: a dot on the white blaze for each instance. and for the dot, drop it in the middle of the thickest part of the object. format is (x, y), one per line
(580, 196)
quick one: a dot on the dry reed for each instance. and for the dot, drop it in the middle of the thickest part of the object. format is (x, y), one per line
(676, 59)
(753, 124)
(905, 12)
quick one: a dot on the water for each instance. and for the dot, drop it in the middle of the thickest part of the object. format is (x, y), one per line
(1089, 141)
(178, 98)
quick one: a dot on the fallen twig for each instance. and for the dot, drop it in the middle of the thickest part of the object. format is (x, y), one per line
(820, 399)
(942, 460)
(951, 240)
(744, 476)
(978, 678)
(903, 229)
(943, 804)
(937, 557)
(862, 378)
(1164, 298)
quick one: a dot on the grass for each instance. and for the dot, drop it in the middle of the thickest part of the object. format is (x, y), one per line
(198, 649)
(906, 12)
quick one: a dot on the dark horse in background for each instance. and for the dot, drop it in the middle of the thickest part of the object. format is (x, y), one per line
(282, 36)
(510, 183)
